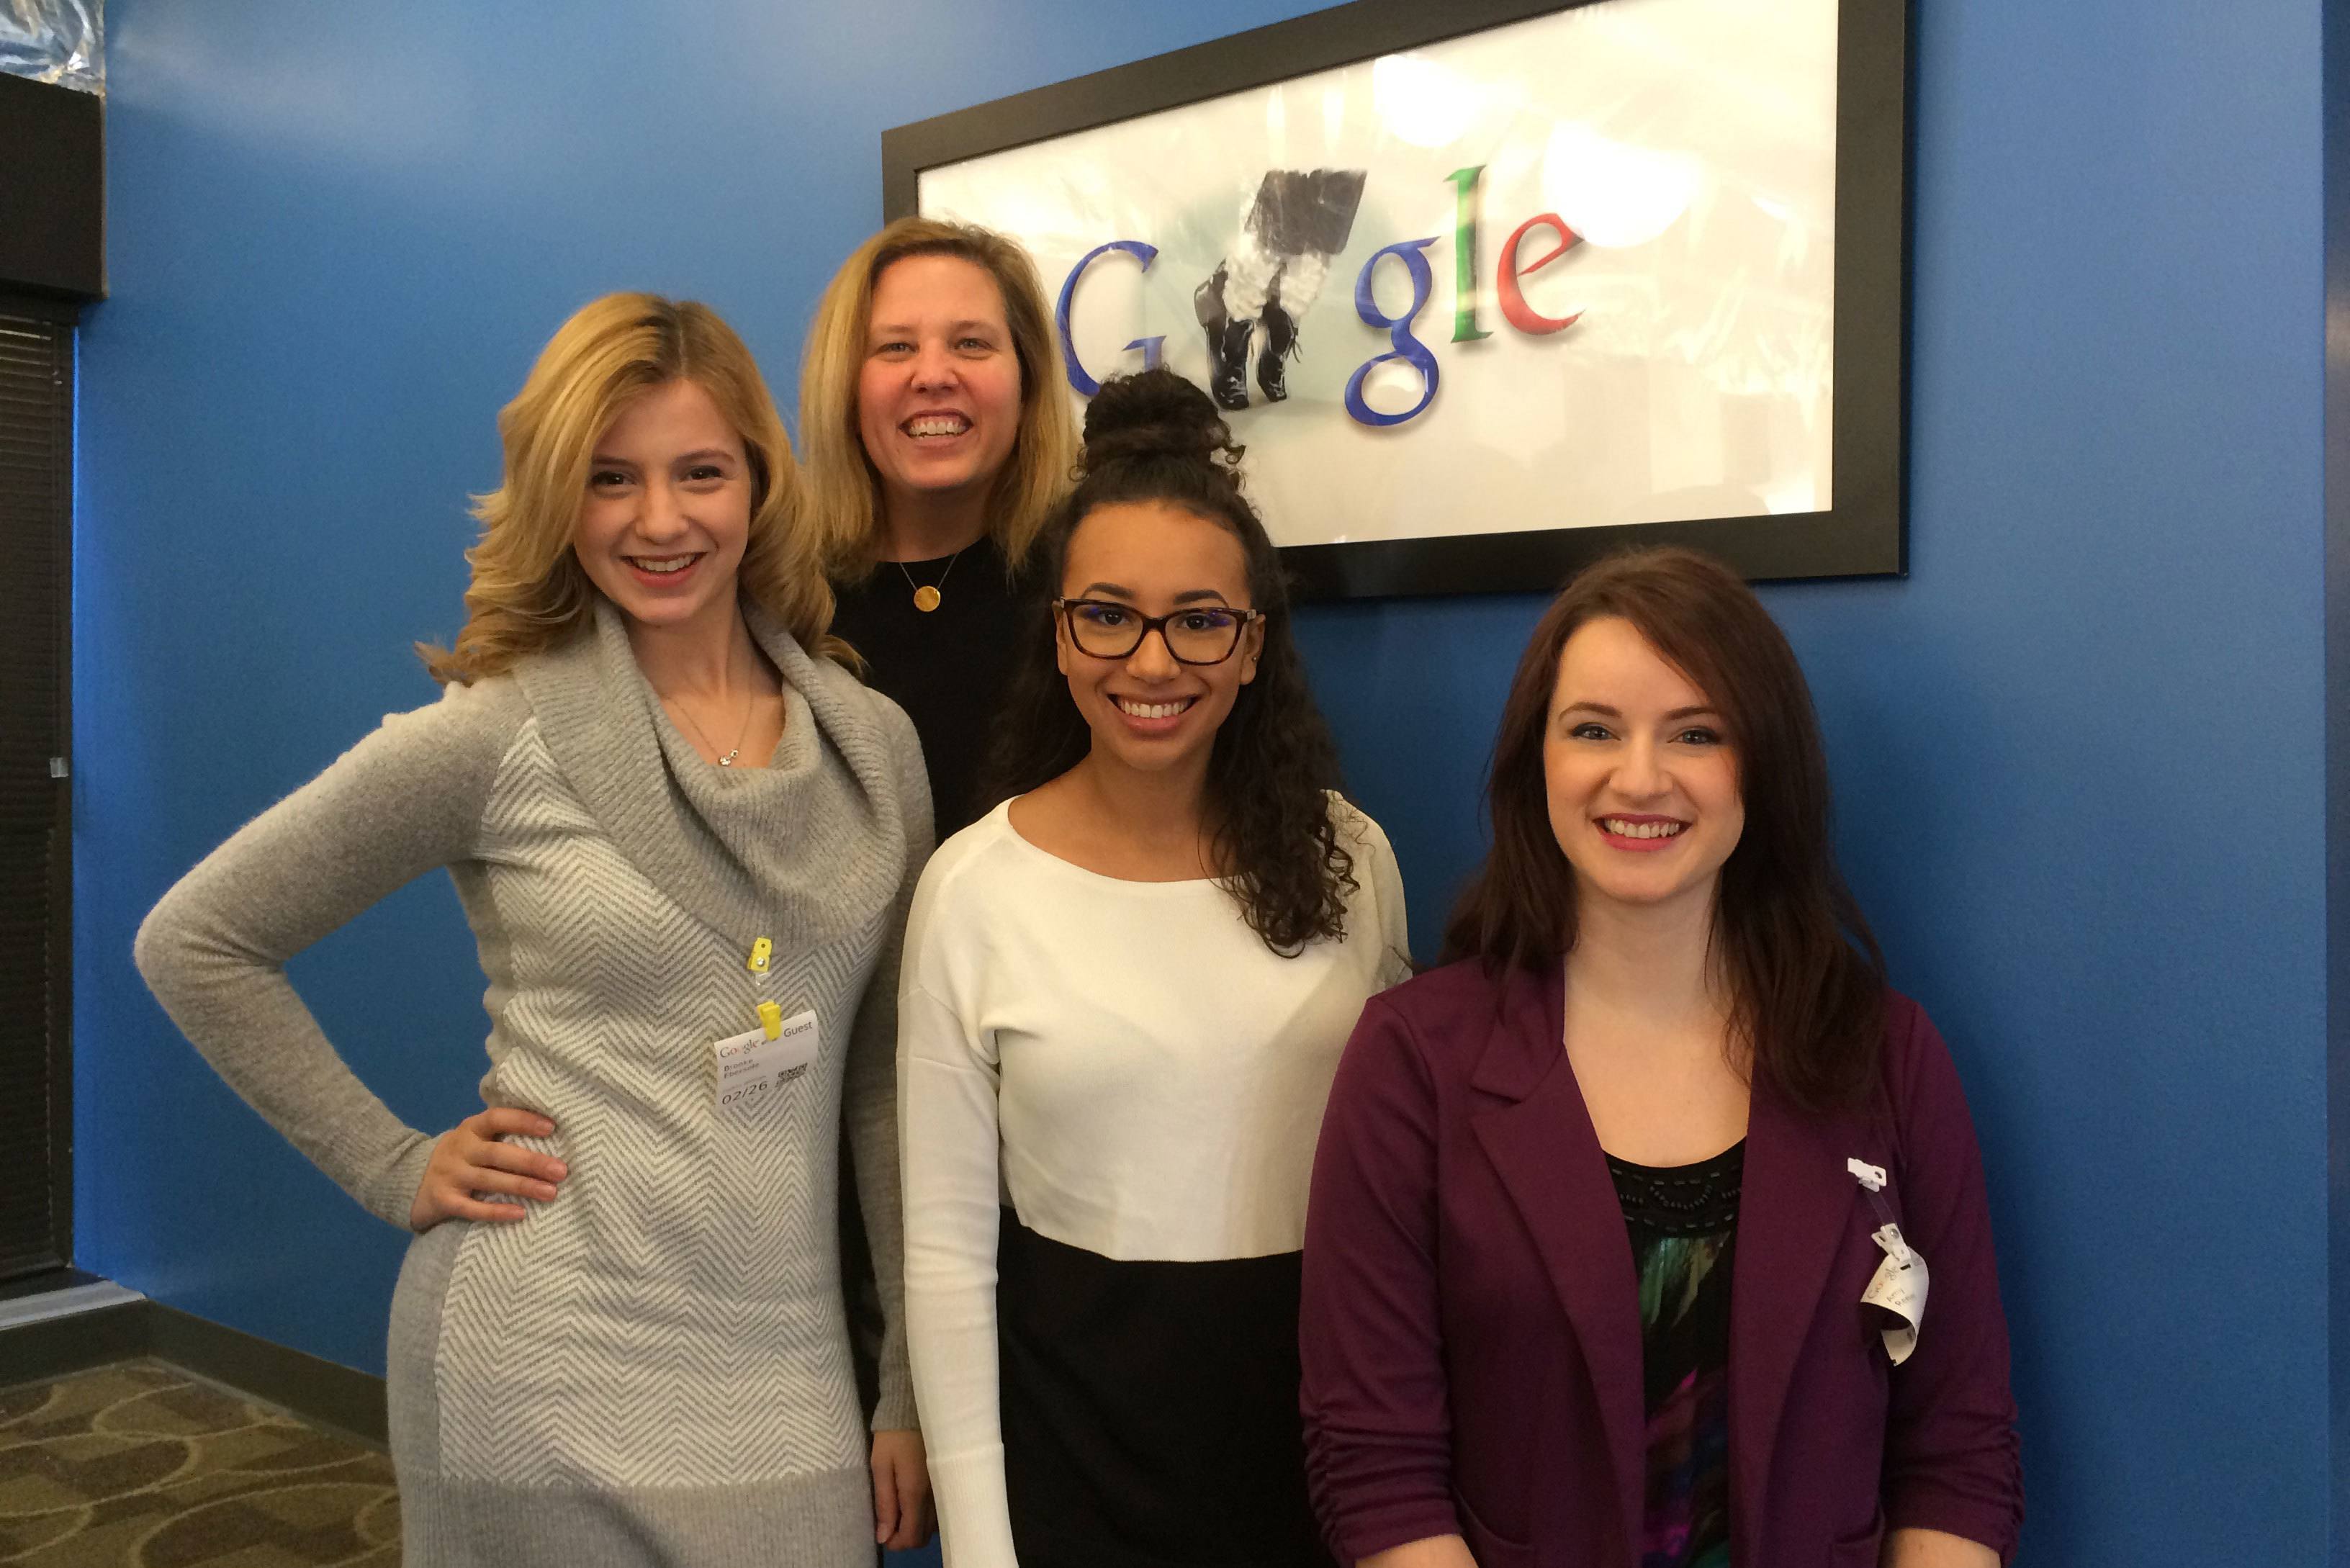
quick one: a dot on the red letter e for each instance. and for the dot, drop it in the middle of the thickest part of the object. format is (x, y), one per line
(1521, 315)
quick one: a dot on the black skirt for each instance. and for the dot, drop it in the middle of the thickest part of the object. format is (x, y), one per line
(1149, 1409)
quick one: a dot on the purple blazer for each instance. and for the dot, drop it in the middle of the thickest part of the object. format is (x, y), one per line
(1471, 1326)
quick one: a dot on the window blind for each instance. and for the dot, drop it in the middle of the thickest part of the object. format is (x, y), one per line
(36, 519)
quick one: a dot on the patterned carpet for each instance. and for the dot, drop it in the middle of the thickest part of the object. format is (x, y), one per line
(140, 1466)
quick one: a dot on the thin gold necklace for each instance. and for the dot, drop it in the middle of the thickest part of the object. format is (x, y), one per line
(926, 595)
(702, 735)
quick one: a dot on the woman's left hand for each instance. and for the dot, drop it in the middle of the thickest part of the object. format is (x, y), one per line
(901, 1491)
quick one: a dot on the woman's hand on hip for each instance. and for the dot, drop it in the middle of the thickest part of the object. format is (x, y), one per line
(472, 1157)
(901, 1490)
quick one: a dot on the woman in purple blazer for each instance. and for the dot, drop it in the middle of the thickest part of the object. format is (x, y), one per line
(1622, 1223)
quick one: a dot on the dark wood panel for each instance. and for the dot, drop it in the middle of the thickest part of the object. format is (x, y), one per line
(52, 190)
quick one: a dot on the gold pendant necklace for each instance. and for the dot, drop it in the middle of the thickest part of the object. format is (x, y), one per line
(926, 595)
(727, 760)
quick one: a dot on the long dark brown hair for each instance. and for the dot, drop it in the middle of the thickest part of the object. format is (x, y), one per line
(1156, 437)
(1806, 978)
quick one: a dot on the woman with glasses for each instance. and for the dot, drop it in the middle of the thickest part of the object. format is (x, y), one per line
(1125, 993)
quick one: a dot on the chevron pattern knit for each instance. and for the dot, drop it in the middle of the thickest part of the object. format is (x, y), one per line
(658, 1354)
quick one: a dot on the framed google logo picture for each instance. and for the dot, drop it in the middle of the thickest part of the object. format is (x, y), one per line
(1491, 289)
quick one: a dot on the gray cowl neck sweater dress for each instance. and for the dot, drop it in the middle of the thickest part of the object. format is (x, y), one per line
(654, 1366)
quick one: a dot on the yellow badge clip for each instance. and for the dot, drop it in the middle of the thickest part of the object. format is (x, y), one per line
(771, 1019)
(761, 950)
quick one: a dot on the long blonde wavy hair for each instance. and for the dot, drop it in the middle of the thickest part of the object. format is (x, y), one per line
(529, 591)
(844, 491)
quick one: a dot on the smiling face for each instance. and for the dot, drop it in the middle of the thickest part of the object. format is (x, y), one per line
(666, 513)
(1642, 782)
(1148, 710)
(938, 400)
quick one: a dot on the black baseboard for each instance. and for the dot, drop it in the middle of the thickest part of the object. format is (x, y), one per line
(333, 1395)
(59, 1346)
(327, 1392)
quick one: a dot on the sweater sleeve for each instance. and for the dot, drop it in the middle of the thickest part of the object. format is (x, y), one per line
(869, 1091)
(946, 1091)
(404, 801)
(1377, 1423)
(1951, 1453)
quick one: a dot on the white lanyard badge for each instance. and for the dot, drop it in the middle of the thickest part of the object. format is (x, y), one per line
(1899, 1284)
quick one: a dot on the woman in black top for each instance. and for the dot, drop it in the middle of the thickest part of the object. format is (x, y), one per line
(936, 428)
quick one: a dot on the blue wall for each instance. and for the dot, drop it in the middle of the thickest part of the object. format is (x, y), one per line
(2079, 751)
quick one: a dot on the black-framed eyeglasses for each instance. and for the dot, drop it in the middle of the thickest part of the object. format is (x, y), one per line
(1204, 633)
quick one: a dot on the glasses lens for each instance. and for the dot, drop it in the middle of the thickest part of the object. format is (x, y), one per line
(1202, 636)
(1106, 631)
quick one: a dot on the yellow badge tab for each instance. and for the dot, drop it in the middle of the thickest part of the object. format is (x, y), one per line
(771, 1019)
(761, 951)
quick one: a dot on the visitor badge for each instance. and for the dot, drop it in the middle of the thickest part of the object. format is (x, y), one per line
(756, 1065)
(1899, 1287)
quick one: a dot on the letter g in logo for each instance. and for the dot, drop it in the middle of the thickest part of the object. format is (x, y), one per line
(1408, 349)
(1085, 384)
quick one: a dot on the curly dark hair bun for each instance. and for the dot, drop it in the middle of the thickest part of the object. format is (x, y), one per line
(1155, 414)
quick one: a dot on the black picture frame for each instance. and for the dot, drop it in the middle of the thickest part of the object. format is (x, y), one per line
(1863, 533)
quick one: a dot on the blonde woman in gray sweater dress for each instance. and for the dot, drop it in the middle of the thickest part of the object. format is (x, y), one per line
(684, 838)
